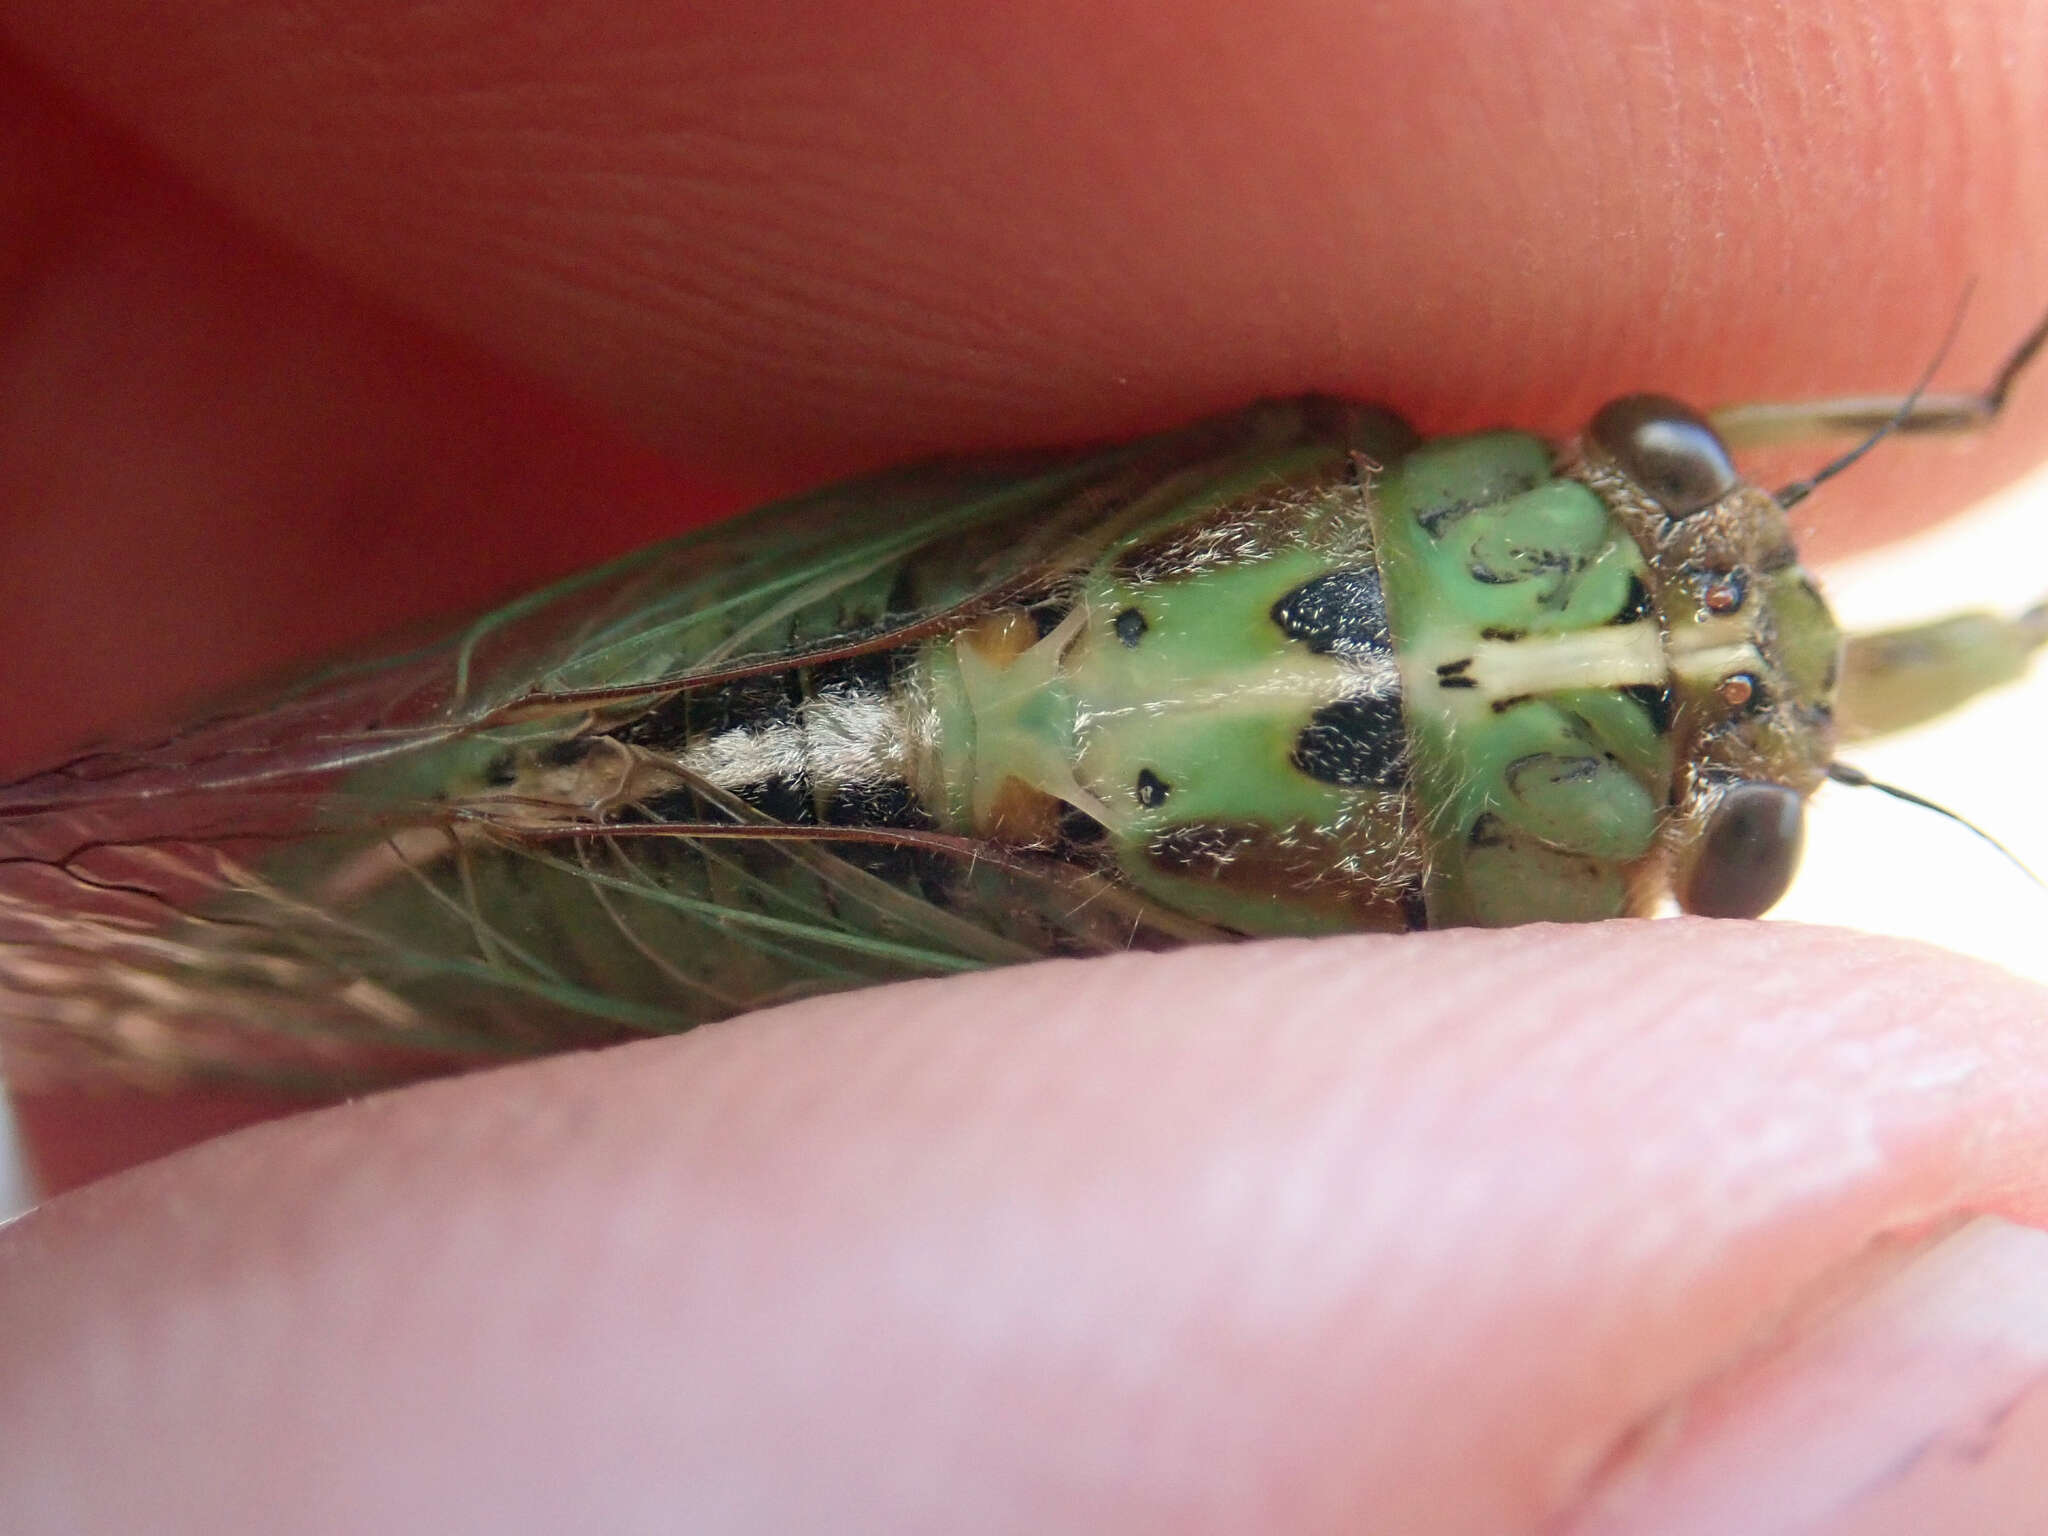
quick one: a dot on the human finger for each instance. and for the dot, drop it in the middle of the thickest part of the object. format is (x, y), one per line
(1441, 1234)
(839, 233)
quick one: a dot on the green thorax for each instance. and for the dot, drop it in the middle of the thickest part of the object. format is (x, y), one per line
(1361, 682)
(1534, 674)
(1218, 707)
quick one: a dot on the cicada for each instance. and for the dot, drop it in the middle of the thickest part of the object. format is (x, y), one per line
(1297, 670)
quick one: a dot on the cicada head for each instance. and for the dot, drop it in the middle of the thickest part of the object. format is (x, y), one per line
(1755, 654)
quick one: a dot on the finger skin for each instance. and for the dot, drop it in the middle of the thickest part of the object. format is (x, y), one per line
(214, 459)
(75, 1133)
(921, 226)
(1913, 1398)
(1366, 1234)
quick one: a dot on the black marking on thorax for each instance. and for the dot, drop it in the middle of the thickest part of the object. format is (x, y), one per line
(1637, 605)
(1436, 519)
(1343, 613)
(1046, 615)
(1415, 907)
(1079, 830)
(1655, 699)
(1359, 743)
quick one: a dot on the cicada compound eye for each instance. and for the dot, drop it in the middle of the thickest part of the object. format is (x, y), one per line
(1748, 853)
(1668, 449)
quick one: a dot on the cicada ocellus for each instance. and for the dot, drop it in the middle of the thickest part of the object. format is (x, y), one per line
(1293, 671)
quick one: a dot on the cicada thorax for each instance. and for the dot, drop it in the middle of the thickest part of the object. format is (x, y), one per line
(1198, 699)
(1216, 715)
(1539, 696)
(1405, 684)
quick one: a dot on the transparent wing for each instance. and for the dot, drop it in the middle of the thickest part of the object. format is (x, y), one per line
(326, 889)
(451, 940)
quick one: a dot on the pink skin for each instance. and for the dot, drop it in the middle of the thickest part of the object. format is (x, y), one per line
(1307, 1237)
(1643, 1228)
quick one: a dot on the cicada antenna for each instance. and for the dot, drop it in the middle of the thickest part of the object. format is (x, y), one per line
(1856, 778)
(1799, 490)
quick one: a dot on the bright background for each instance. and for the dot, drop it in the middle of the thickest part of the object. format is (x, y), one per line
(1871, 862)
(14, 1195)
(1876, 864)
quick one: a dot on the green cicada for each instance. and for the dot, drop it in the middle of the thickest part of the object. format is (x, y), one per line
(1293, 671)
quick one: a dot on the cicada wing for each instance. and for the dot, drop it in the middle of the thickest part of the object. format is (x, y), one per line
(440, 943)
(314, 889)
(857, 566)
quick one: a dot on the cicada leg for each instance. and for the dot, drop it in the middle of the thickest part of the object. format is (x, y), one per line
(1894, 679)
(1897, 678)
(1771, 423)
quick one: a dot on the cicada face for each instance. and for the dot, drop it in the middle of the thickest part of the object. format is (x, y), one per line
(1754, 653)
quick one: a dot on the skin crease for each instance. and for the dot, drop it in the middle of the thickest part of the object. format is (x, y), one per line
(381, 311)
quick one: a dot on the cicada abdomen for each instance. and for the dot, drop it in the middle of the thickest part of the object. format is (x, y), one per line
(1293, 671)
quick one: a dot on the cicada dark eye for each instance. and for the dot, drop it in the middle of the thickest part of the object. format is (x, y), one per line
(1748, 853)
(1667, 449)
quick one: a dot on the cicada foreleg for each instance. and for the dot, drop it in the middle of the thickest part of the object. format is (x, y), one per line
(1894, 679)
(1764, 424)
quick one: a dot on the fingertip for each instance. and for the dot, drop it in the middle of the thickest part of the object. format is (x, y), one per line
(1000, 231)
(1155, 1240)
